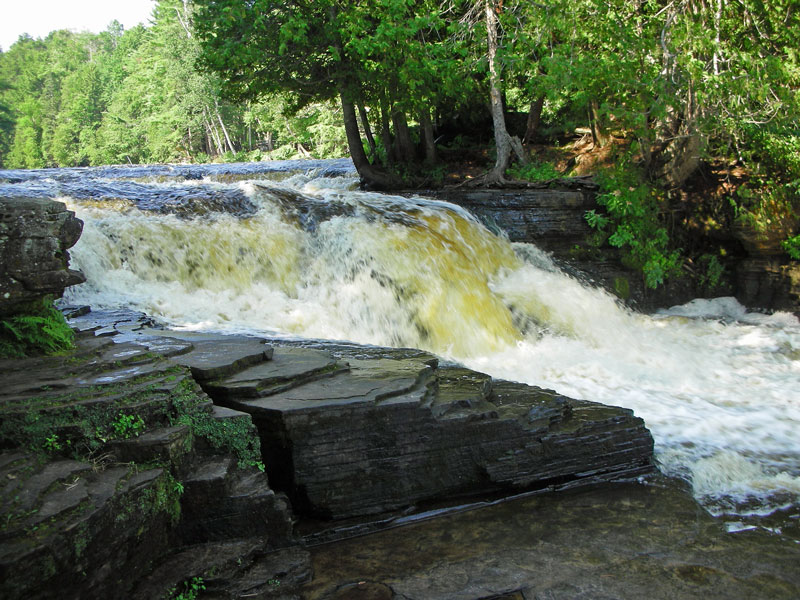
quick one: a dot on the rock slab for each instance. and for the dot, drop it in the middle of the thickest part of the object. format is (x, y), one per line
(34, 237)
(363, 436)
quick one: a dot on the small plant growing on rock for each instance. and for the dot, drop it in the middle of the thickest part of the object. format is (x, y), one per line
(51, 444)
(39, 329)
(128, 426)
(189, 590)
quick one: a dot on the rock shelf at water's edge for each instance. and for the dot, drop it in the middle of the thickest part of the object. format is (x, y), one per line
(345, 433)
(163, 489)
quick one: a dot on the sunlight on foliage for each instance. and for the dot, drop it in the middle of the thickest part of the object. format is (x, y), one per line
(41, 330)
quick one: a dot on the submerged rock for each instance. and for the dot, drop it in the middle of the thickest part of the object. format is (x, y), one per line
(611, 541)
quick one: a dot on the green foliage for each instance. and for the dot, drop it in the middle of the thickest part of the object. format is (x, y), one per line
(127, 426)
(712, 273)
(42, 329)
(792, 247)
(163, 498)
(231, 436)
(51, 444)
(535, 172)
(770, 200)
(632, 222)
(188, 590)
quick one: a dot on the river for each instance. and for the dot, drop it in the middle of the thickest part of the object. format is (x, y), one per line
(294, 249)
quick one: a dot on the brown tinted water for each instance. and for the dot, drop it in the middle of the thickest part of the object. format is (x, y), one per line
(623, 541)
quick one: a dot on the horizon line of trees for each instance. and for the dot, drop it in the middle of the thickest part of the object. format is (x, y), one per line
(393, 79)
(136, 96)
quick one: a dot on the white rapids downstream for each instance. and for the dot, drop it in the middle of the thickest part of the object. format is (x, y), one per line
(718, 387)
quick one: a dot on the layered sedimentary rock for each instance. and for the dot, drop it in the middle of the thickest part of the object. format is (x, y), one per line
(384, 429)
(34, 237)
(767, 278)
(553, 219)
(113, 458)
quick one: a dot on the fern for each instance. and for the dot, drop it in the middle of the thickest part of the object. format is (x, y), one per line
(41, 330)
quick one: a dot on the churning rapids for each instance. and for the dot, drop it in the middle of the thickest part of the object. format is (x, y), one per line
(293, 249)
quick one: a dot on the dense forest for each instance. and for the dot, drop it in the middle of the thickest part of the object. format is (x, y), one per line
(405, 86)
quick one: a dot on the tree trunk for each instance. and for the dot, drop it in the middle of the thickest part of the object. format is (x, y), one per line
(386, 134)
(404, 147)
(503, 141)
(534, 119)
(426, 128)
(212, 133)
(600, 135)
(225, 131)
(370, 176)
(678, 156)
(362, 113)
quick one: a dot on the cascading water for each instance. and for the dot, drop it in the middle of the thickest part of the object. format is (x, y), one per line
(311, 257)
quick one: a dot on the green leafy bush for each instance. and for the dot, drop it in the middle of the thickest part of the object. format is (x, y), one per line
(535, 172)
(632, 222)
(792, 247)
(127, 426)
(189, 589)
(770, 200)
(41, 329)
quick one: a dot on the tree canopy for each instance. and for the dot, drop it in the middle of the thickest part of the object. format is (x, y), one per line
(403, 85)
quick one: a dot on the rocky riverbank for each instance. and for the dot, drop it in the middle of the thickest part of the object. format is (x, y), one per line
(123, 455)
(760, 276)
(125, 474)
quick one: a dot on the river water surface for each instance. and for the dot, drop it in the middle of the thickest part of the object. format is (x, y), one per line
(295, 250)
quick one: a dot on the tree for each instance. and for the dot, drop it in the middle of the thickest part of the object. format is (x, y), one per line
(504, 143)
(266, 46)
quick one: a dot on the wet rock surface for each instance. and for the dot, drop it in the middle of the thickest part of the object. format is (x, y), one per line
(34, 237)
(356, 436)
(113, 458)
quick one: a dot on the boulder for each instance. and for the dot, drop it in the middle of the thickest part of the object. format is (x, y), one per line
(34, 237)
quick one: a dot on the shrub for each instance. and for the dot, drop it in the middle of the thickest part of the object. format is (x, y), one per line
(632, 222)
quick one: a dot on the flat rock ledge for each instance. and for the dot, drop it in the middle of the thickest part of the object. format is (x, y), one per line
(347, 436)
(132, 466)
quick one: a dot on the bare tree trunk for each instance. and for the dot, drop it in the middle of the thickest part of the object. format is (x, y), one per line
(600, 136)
(534, 119)
(185, 20)
(426, 127)
(503, 141)
(679, 155)
(404, 147)
(213, 133)
(224, 130)
(362, 113)
(386, 134)
(369, 174)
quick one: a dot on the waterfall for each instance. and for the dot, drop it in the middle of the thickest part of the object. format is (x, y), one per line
(313, 257)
